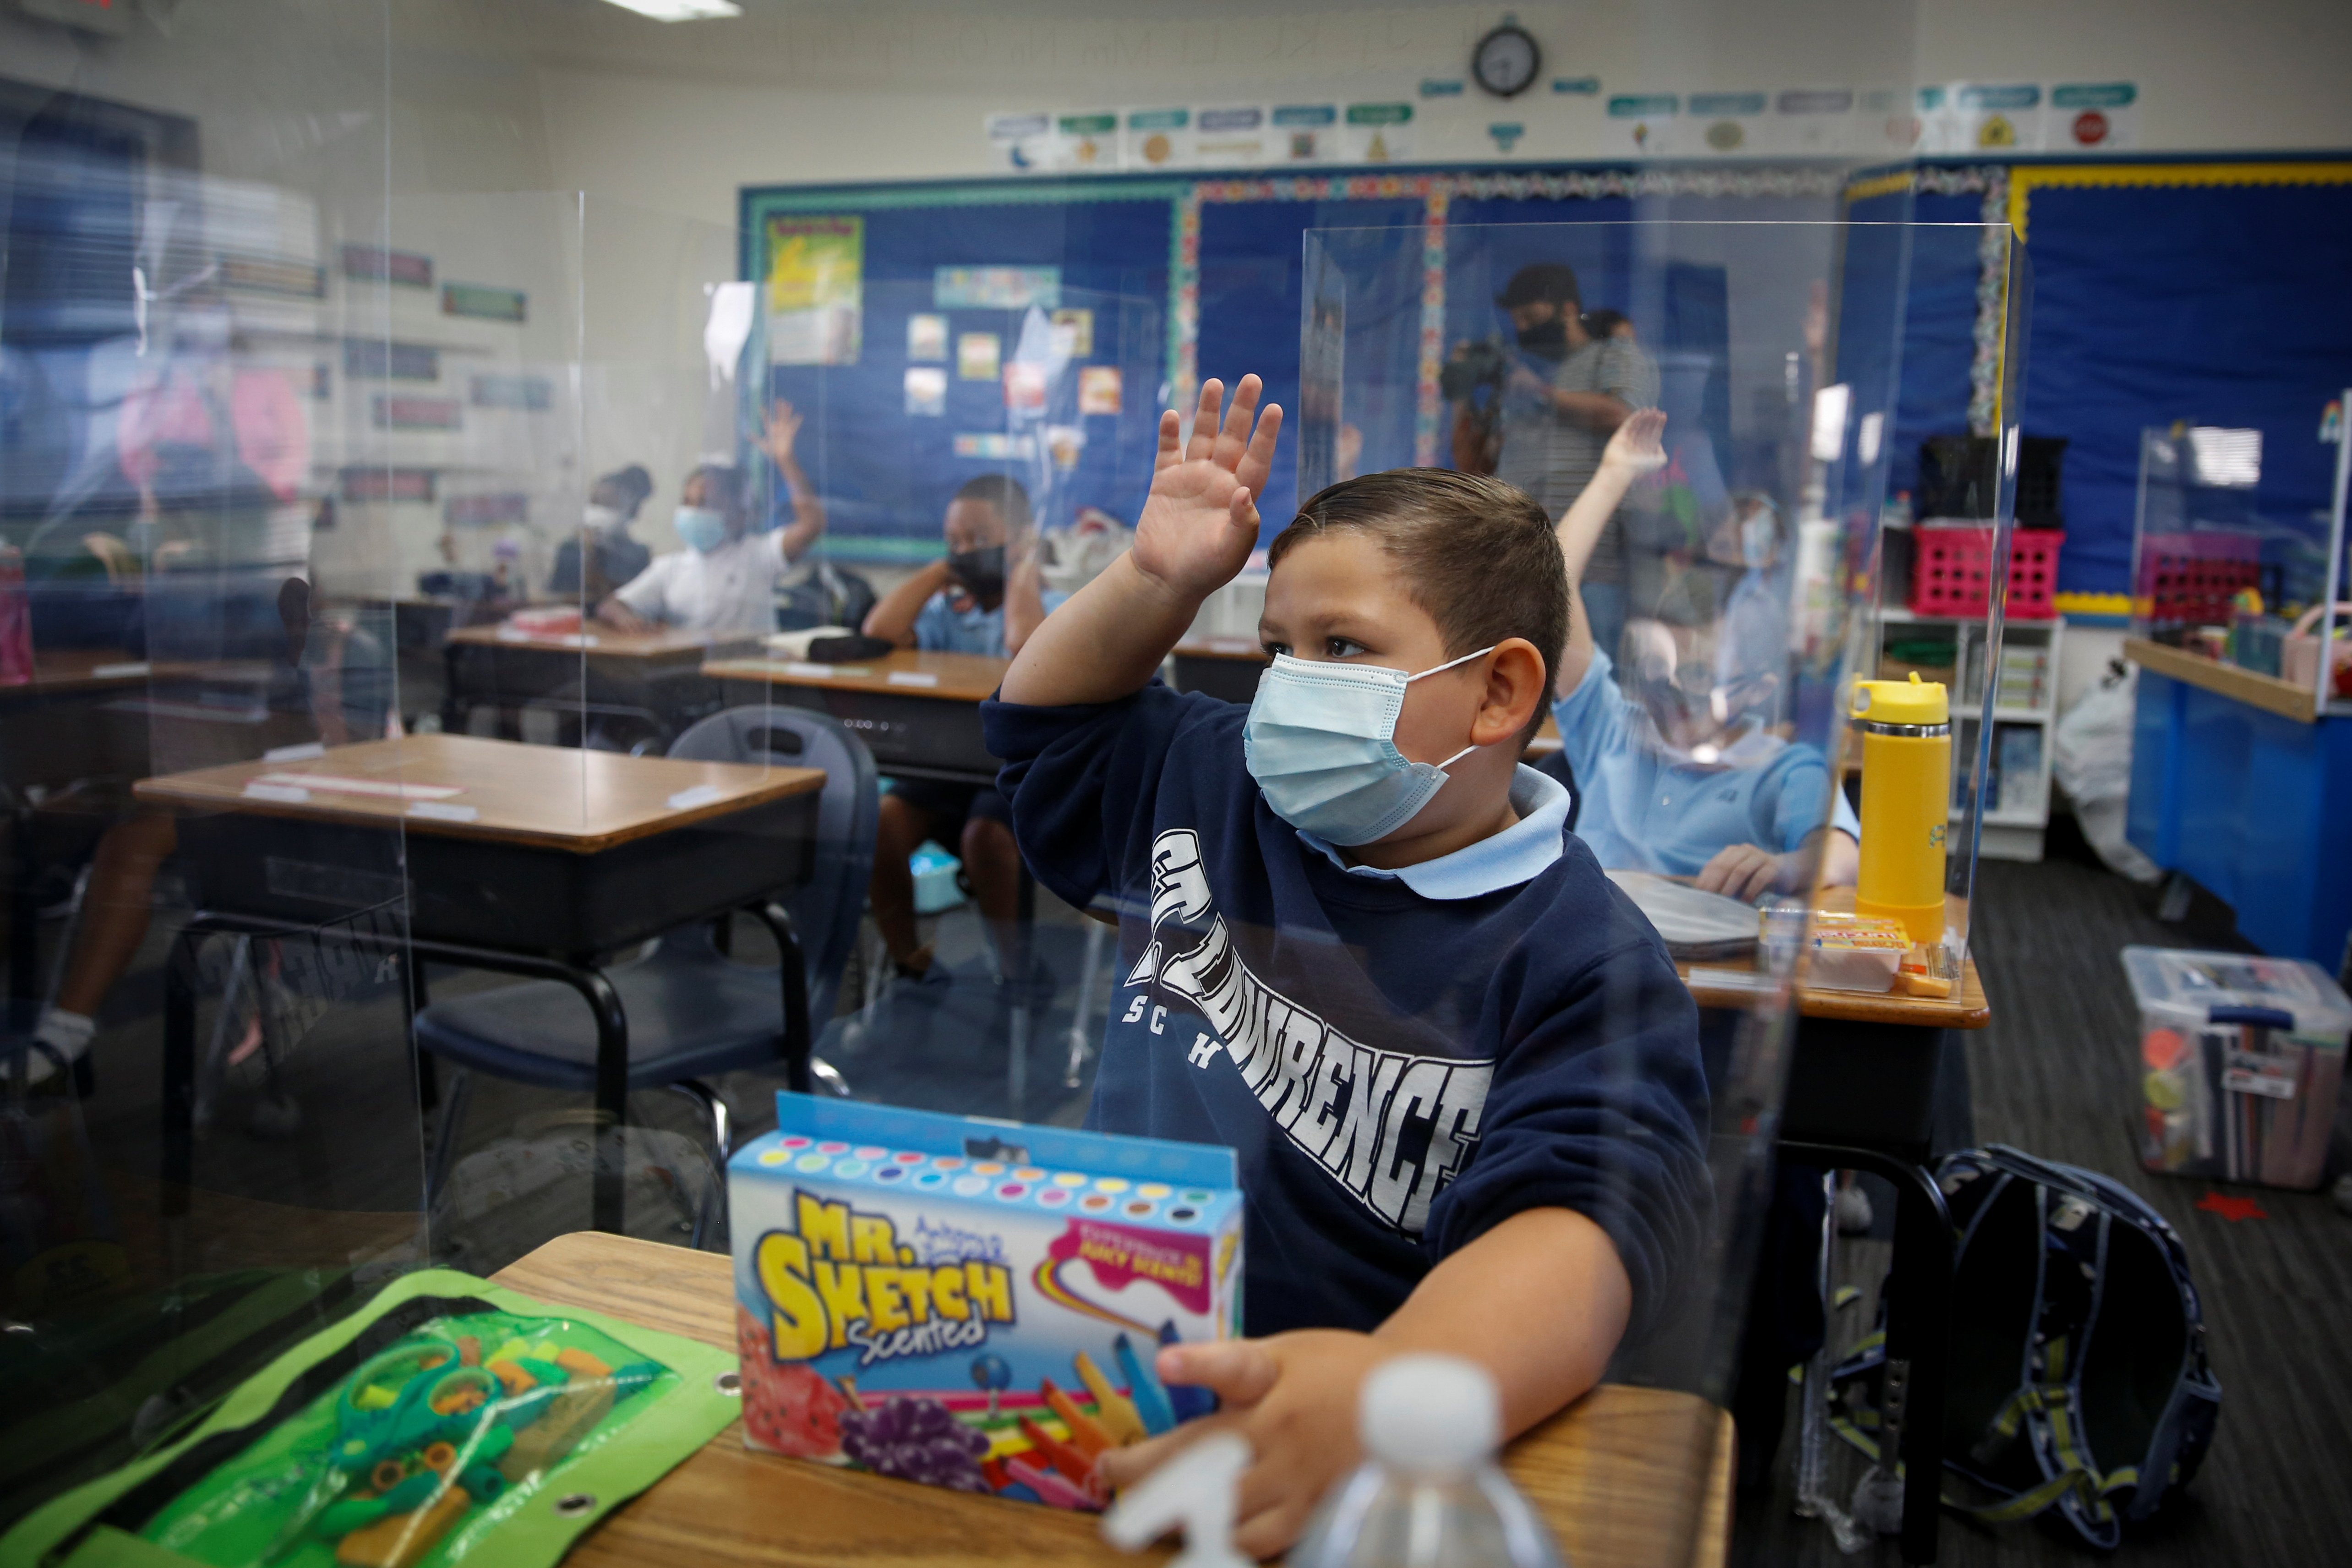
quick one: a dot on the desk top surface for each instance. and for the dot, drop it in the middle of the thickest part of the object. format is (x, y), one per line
(551, 796)
(1616, 1474)
(599, 641)
(60, 670)
(2268, 692)
(1965, 1009)
(907, 672)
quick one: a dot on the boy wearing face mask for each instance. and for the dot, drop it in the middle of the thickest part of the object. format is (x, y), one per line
(604, 556)
(966, 602)
(1682, 766)
(724, 581)
(1359, 946)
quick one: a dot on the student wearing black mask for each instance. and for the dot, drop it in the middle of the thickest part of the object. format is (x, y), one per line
(969, 601)
(1562, 399)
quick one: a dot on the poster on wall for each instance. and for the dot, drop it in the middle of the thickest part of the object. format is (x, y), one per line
(1157, 139)
(2093, 117)
(978, 354)
(1641, 124)
(1073, 334)
(1728, 123)
(1099, 389)
(1084, 140)
(816, 288)
(1965, 117)
(1378, 133)
(1305, 132)
(926, 391)
(927, 338)
(1025, 386)
(995, 287)
(1814, 122)
(1020, 141)
(1230, 135)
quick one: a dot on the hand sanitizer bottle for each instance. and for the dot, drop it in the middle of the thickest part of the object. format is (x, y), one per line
(1429, 1496)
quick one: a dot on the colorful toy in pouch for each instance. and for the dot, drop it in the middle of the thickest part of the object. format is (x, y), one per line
(972, 1303)
(448, 1421)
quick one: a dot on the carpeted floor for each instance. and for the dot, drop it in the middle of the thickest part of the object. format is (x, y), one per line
(2055, 1074)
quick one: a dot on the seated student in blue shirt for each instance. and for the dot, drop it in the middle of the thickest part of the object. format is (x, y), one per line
(966, 602)
(1360, 947)
(1684, 772)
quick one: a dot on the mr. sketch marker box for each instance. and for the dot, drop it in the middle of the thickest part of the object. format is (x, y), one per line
(970, 1302)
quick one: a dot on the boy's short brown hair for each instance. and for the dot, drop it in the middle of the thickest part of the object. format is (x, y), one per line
(1478, 554)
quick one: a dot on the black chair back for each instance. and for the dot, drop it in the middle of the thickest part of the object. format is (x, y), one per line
(827, 910)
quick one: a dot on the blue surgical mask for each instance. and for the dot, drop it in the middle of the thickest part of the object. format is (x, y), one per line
(703, 529)
(1321, 743)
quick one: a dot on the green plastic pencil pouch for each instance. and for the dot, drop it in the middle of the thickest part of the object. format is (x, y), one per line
(449, 1422)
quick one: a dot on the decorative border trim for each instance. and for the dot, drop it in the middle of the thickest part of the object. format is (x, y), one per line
(2027, 178)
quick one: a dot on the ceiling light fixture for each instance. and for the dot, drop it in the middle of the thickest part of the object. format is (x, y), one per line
(681, 10)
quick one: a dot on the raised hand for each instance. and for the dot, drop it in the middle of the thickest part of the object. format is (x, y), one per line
(1200, 521)
(1635, 448)
(784, 426)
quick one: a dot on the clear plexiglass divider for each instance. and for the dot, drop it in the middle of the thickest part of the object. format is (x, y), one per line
(2222, 574)
(1730, 606)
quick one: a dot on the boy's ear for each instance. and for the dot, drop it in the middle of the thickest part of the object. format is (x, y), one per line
(1514, 690)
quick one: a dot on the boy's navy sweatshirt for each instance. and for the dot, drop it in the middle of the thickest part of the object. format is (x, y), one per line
(1398, 1073)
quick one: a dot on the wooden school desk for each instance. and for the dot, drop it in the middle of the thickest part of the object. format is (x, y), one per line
(918, 712)
(1860, 1095)
(530, 860)
(502, 667)
(1616, 1474)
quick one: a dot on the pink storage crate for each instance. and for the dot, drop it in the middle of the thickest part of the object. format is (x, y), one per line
(2189, 579)
(1951, 571)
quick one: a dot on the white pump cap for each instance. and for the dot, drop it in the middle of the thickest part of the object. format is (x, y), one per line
(1195, 1488)
(1430, 1413)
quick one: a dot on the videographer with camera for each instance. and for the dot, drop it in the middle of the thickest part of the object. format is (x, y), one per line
(1539, 414)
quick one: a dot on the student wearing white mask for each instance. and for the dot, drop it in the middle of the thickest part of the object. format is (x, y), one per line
(724, 581)
(602, 556)
(1680, 759)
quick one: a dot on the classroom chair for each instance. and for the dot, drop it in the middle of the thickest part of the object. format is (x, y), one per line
(692, 1011)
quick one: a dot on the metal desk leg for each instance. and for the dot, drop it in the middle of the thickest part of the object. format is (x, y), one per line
(1919, 1326)
(179, 1131)
(799, 1036)
(607, 1196)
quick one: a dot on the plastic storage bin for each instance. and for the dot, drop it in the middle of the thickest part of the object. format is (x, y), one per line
(1951, 571)
(2241, 1058)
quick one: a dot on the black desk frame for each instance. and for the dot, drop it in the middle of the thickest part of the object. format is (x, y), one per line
(1861, 1097)
(584, 976)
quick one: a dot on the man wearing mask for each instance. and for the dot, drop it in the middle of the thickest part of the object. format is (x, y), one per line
(966, 602)
(724, 581)
(602, 556)
(1565, 395)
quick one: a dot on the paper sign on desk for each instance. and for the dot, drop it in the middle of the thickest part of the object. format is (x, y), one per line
(120, 671)
(552, 639)
(390, 789)
(284, 795)
(701, 795)
(301, 753)
(913, 678)
(802, 667)
(437, 811)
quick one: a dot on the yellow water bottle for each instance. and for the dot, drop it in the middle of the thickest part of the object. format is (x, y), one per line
(1907, 788)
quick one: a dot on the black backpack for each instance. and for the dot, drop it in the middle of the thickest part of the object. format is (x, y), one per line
(2077, 1378)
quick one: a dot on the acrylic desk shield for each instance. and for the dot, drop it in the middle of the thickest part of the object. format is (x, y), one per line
(296, 612)
(2224, 575)
(1736, 585)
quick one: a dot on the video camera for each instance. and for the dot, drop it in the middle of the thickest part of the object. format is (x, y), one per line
(1482, 364)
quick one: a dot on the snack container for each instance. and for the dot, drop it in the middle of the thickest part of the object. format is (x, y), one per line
(969, 1302)
(2241, 1058)
(1855, 952)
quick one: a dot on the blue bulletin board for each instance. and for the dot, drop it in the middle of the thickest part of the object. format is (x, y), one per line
(2214, 292)
(1206, 277)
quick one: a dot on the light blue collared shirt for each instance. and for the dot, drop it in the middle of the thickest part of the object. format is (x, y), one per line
(1519, 854)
